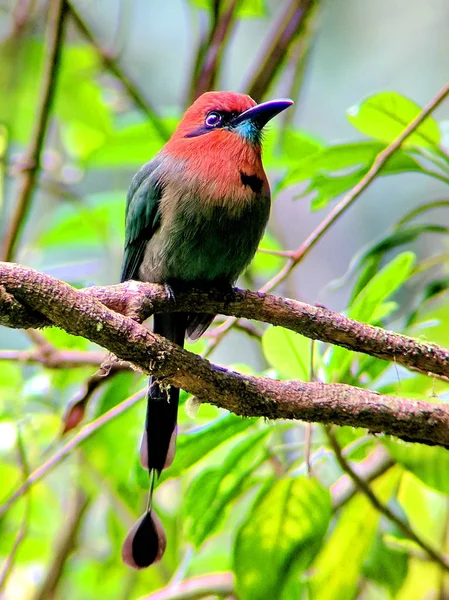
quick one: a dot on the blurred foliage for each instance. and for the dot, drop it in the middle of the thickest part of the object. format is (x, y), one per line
(236, 497)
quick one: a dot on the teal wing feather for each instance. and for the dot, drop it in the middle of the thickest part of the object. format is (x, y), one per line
(142, 217)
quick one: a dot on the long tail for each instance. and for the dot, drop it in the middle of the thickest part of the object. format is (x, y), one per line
(145, 543)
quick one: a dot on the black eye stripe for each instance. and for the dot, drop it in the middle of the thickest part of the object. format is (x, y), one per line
(224, 119)
(220, 118)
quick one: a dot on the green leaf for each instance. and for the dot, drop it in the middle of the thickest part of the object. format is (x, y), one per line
(385, 115)
(193, 446)
(344, 156)
(368, 303)
(338, 566)
(336, 169)
(281, 536)
(369, 261)
(382, 286)
(293, 146)
(127, 147)
(430, 464)
(386, 566)
(287, 352)
(211, 492)
(98, 220)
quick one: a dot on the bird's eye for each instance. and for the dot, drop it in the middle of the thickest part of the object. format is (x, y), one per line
(213, 119)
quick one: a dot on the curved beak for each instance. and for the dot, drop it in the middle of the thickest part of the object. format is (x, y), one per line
(262, 113)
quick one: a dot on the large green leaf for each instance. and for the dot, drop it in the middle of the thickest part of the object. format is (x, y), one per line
(343, 156)
(429, 463)
(338, 566)
(336, 169)
(385, 115)
(386, 566)
(382, 286)
(128, 147)
(280, 538)
(96, 221)
(370, 260)
(191, 447)
(211, 492)
(287, 352)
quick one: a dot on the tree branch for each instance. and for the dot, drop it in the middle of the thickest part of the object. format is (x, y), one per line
(80, 314)
(364, 488)
(141, 300)
(348, 200)
(31, 163)
(112, 64)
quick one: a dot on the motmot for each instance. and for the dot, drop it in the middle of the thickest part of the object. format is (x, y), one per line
(195, 215)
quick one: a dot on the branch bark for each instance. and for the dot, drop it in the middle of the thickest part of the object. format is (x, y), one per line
(141, 300)
(79, 313)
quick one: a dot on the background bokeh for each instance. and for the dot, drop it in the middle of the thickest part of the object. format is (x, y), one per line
(127, 73)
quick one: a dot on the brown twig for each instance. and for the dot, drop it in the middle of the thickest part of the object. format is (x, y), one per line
(67, 450)
(57, 359)
(64, 546)
(373, 466)
(290, 25)
(365, 489)
(22, 533)
(79, 314)
(220, 30)
(346, 202)
(31, 163)
(115, 68)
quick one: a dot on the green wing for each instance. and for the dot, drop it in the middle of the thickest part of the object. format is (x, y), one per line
(142, 217)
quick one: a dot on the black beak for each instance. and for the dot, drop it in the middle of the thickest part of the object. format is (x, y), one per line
(262, 113)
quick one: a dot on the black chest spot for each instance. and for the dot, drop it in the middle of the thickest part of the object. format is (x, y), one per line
(252, 181)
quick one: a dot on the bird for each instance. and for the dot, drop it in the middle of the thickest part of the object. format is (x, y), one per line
(195, 215)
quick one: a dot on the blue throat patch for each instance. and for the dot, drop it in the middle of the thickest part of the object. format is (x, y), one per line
(249, 132)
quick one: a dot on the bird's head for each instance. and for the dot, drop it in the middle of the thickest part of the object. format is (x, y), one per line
(224, 115)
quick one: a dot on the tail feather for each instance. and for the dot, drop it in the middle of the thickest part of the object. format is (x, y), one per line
(145, 543)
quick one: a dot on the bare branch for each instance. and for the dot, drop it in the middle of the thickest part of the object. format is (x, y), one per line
(112, 64)
(346, 202)
(289, 27)
(143, 299)
(80, 314)
(31, 163)
(365, 489)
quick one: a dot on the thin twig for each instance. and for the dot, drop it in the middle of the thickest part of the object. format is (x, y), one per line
(346, 202)
(290, 25)
(112, 64)
(373, 466)
(207, 73)
(22, 533)
(365, 489)
(31, 163)
(216, 584)
(65, 544)
(66, 450)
